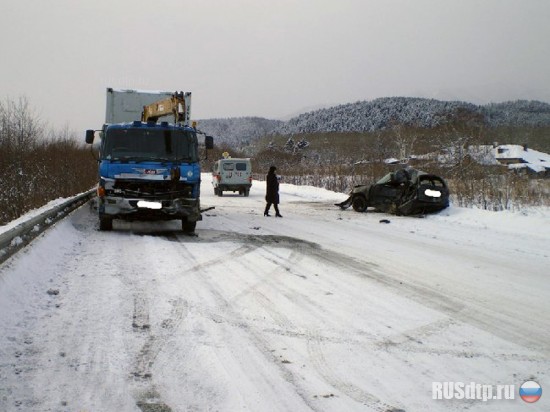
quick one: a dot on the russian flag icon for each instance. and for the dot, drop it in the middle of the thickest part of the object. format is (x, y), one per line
(530, 391)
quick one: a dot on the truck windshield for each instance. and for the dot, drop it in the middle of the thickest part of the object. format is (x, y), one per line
(140, 144)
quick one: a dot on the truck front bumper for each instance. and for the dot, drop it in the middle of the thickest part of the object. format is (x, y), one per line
(149, 209)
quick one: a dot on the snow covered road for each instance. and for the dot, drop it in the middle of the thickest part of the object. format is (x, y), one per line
(323, 310)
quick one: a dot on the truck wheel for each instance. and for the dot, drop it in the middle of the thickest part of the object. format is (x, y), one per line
(246, 192)
(359, 203)
(220, 192)
(188, 227)
(105, 224)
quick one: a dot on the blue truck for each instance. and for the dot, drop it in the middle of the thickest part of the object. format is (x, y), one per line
(149, 168)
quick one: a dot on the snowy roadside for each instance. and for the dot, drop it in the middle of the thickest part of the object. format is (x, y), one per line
(36, 212)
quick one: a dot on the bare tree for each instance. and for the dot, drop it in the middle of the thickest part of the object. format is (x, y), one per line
(37, 166)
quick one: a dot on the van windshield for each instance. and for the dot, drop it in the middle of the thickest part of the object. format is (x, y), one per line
(141, 144)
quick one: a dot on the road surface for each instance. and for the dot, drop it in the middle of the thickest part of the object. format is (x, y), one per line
(322, 310)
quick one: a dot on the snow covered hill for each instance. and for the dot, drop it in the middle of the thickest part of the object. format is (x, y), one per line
(238, 131)
(322, 310)
(380, 114)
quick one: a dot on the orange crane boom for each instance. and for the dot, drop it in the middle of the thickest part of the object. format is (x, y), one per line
(176, 105)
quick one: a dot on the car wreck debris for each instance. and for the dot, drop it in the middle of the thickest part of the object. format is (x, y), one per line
(403, 192)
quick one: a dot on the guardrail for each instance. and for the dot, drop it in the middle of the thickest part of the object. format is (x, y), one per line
(21, 235)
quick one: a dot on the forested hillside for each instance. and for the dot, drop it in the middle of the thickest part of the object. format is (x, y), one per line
(382, 114)
(518, 113)
(238, 131)
(388, 112)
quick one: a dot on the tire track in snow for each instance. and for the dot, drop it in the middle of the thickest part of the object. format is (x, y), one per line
(404, 342)
(153, 335)
(149, 399)
(240, 326)
(314, 339)
(157, 339)
(320, 363)
(463, 310)
(470, 311)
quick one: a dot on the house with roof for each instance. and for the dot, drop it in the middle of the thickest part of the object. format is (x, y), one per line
(522, 158)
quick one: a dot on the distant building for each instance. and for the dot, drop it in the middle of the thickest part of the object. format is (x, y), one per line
(522, 158)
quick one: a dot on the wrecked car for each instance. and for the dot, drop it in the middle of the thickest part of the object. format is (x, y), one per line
(403, 192)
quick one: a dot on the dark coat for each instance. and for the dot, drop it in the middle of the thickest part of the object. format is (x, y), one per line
(272, 187)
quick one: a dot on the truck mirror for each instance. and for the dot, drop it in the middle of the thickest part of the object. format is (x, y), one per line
(209, 142)
(89, 136)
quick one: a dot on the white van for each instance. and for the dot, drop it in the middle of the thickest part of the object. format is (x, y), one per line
(232, 175)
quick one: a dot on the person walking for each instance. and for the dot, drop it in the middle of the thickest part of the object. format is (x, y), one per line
(272, 192)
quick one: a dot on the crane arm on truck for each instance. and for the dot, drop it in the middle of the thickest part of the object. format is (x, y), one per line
(178, 105)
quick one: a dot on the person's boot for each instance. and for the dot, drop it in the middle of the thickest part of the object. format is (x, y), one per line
(277, 214)
(266, 212)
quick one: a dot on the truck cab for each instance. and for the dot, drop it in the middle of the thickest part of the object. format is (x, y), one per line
(232, 175)
(149, 172)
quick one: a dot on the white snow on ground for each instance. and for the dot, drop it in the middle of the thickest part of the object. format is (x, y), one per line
(322, 310)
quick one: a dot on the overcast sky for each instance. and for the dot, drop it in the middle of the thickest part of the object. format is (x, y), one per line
(270, 58)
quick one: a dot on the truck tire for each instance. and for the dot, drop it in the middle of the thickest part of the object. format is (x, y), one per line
(246, 192)
(359, 203)
(188, 227)
(105, 224)
(220, 192)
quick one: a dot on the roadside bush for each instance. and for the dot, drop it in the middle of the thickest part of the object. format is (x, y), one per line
(38, 165)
